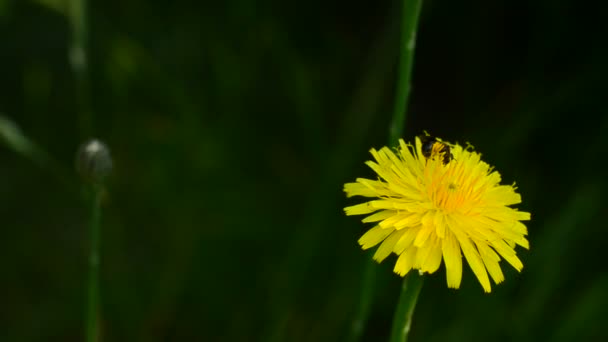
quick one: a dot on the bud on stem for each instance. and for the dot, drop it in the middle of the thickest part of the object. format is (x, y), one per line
(93, 161)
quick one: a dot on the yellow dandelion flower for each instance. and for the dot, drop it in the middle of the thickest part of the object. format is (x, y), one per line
(437, 201)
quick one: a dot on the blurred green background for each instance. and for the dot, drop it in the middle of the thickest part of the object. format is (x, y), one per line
(234, 125)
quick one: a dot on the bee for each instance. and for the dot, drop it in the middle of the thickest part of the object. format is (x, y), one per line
(432, 147)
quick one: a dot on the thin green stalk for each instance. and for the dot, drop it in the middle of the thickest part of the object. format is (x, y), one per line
(92, 317)
(78, 56)
(402, 321)
(407, 43)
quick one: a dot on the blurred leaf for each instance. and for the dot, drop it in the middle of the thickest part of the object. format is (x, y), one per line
(12, 136)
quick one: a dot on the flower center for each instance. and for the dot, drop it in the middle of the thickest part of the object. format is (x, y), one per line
(447, 187)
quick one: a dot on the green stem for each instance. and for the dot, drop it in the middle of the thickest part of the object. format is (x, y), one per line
(409, 23)
(78, 55)
(402, 321)
(412, 283)
(92, 327)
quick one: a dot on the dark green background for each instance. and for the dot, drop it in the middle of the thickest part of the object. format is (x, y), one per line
(233, 126)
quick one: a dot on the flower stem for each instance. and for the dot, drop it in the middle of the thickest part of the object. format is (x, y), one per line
(78, 56)
(407, 43)
(412, 283)
(402, 321)
(92, 327)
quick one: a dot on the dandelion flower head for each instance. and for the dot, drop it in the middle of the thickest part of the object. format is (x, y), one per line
(436, 204)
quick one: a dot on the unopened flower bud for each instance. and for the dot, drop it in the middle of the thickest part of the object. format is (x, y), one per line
(93, 161)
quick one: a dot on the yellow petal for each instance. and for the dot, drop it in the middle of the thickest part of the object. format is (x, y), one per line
(408, 220)
(413, 207)
(503, 194)
(428, 218)
(406, 239)
(387, 245)
(360, 209)
(374, 236)
(406, 176)
(492, 230)
(520, 228)
(490, 260)
(374, 185)
(421, 159)
(452, 259)
(405, 261)
(403, 191)
(523, 216)
(440, 225)
(390, 222)
(379, 216)
(424, 252)
(382, 204)
(358, 189)
(433, 260)
(391, 156)
(474, 260)
(423, 236)
(505, 214)
(507, 253)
